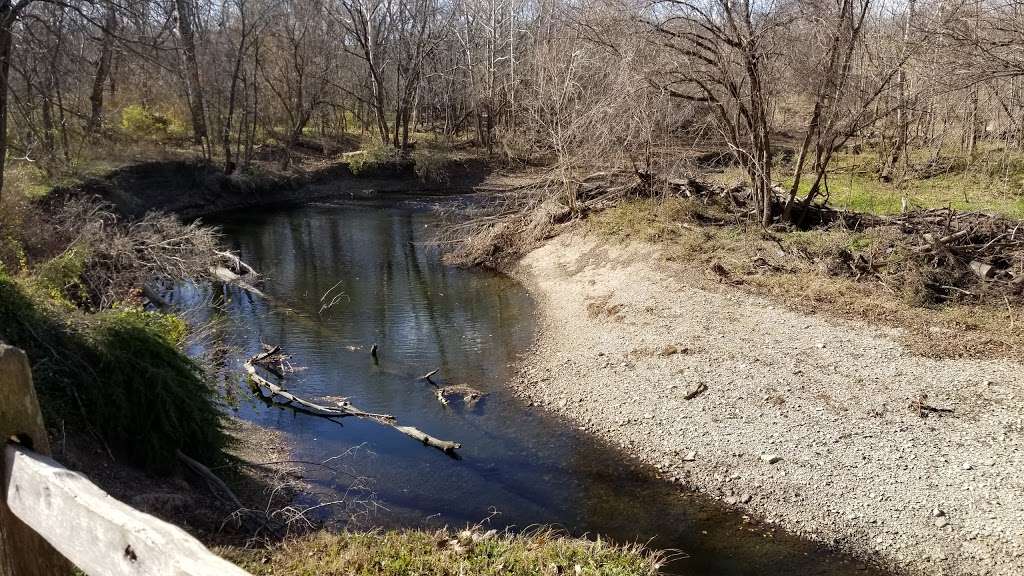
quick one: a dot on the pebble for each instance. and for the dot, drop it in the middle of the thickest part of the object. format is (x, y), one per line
(771, 458)
(690, 457)
(941, 522)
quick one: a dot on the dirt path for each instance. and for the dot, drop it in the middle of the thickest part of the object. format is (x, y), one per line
(806, 421)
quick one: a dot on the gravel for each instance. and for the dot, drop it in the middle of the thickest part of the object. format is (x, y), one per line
(806, 421)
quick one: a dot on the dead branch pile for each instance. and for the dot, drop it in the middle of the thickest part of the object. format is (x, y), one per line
(941, 255)
(273, 358)
(107, 259)
(987, 246)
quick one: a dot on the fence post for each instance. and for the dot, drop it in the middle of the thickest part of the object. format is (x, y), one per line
(22, 551)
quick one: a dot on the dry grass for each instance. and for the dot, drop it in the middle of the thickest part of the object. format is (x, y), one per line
(472, 552)
(811, 271)
(504, 229)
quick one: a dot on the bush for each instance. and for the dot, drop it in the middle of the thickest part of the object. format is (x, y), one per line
(140, 123)
(377, 160)
(118, 374)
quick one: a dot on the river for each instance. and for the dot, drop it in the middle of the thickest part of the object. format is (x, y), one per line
(385, 284)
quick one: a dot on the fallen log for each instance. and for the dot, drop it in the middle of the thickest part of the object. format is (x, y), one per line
(239, 265)
(226, 276)
(279, 395)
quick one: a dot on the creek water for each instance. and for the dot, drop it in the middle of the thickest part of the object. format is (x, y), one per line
(519, 466)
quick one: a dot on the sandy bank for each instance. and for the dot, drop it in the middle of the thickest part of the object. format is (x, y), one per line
(806, 422)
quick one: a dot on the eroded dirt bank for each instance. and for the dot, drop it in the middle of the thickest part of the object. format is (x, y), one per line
(806, 422)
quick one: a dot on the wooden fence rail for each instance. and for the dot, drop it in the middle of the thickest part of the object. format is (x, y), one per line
(50, 515)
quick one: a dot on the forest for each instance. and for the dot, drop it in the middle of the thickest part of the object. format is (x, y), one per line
(788, 89)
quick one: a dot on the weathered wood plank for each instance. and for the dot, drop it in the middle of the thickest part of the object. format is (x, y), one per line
(22, 551)
(103, 536)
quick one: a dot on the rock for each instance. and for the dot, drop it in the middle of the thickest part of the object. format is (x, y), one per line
(968, 466)
(941, 522)
(690, 457)
(745, 499)
(669, 350)
(936, 513)
(771, 458)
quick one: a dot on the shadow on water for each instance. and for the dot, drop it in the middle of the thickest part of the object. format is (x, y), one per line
(471, 325)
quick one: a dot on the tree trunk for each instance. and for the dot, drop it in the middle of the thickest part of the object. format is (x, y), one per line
(190, 70)
(229, 163)
(95, 122)
(7, 16)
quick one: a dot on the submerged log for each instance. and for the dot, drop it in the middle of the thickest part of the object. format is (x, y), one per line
(280, 396)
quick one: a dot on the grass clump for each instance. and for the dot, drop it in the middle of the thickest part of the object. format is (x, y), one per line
(442, 553)
(117, 374)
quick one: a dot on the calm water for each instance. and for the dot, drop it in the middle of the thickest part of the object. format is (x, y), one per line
(519, 466)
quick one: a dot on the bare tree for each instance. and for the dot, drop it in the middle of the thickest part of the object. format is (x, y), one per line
(724, 53)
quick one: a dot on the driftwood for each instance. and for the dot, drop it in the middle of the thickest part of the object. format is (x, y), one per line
(279, 395)
(470, 396)
(226, 276)
(238, 265)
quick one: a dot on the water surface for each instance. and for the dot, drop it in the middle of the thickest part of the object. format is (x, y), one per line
(519, 466)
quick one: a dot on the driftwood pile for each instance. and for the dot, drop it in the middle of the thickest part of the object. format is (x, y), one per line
(990, 247)
(272, 360)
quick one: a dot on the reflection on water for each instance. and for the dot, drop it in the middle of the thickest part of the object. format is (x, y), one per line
(389, 288)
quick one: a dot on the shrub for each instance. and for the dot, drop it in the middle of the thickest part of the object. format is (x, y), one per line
(118, 374)
(61, 276)
(140, 123)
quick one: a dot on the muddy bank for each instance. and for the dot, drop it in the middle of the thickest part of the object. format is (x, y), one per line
(802, 421)
(192, 188)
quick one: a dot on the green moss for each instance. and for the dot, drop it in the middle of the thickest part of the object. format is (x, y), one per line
(401, 553)
(118, 374)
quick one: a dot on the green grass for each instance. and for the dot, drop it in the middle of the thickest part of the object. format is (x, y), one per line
(117, 374)
(968, 191)
(469, 553)
(991, 182)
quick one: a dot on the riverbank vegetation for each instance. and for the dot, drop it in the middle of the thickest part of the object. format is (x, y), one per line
(876, 273)
(71, 283)
(469, 552)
